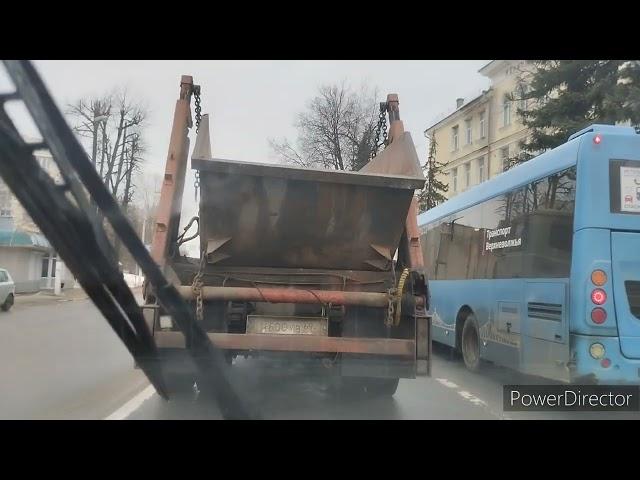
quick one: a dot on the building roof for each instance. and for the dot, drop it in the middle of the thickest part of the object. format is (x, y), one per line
(487, 70)
(464, 106)
(21, 238)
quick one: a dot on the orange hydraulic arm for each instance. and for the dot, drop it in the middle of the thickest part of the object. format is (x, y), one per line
(168, 215)
(396, 129)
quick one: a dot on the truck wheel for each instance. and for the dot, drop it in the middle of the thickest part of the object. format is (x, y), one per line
(179, 384)
(373, 387)
(381, 387)
(470, 343)
(8, 303)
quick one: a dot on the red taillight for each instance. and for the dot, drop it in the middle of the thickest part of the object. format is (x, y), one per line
(597, 139)
(605, 362)
(598, 315)
(598, 296)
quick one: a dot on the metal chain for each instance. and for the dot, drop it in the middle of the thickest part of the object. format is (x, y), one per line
(382, 125)
(196, 184)
(394, 312)
(196, 95)
(398, 312)
(196, 287)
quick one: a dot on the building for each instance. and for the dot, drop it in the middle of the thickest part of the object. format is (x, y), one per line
(24, 250)
(476, 139)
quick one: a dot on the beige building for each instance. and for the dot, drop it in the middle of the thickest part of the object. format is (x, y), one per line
(482, 132)
(24, 250)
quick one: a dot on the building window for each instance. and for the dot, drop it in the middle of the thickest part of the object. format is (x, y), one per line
(483, 125)
(45, 267)
(504, 155)
(454, 175)
(454, 138)
(521, 95)
(481, 176)
(467, 174)
(506, 112)
(467, 126)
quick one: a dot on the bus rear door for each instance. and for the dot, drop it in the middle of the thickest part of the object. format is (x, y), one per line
(625, 255)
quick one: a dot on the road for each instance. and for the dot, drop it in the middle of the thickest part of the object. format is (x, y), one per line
(62, 361)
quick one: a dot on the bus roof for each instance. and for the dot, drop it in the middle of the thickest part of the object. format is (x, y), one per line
(555, 160)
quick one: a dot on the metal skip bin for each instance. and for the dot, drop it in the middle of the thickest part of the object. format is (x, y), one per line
(268, 215)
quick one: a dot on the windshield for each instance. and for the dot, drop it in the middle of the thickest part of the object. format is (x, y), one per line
(181, 244)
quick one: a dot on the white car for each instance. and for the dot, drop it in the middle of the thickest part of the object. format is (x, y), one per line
(7, 290)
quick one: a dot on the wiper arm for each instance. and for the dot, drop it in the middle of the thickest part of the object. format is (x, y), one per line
(63, 215)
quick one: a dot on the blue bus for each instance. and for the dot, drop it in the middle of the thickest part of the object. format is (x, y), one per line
(538, 269)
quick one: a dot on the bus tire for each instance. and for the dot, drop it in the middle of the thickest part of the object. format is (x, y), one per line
(470, 343)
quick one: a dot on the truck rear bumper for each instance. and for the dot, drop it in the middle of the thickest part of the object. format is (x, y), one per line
(296, 343)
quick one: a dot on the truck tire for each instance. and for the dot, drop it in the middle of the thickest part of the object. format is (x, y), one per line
(8, 303)
(381, 387)
(369, 386)
(470, 343)
(179, 385)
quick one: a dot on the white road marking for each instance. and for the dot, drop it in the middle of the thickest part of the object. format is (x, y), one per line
(472, 398)
(447, 383)
(132, 405)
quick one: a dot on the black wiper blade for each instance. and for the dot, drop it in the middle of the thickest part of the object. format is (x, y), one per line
(79, 239)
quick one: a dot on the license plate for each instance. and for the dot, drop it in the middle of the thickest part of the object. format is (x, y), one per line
(287, 325)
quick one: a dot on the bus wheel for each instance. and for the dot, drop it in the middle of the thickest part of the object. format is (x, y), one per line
(471, 343)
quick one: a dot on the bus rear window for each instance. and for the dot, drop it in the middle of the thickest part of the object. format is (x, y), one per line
(624, 186)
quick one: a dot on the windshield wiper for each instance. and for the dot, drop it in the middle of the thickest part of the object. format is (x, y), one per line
(65, 216)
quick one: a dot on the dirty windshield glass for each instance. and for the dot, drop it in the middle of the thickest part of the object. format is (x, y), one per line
(177, 243)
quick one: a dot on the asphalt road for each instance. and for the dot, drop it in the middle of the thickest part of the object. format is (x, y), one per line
(62, 361)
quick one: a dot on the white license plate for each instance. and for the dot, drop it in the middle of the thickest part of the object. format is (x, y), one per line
(287, 325)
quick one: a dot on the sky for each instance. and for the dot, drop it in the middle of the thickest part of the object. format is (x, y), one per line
(251, 101)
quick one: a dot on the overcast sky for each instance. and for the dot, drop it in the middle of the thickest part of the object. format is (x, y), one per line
(251, 101)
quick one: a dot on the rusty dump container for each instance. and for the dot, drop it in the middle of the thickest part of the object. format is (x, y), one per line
(268, 215)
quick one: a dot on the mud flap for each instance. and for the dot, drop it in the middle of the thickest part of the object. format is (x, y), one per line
(423, 346)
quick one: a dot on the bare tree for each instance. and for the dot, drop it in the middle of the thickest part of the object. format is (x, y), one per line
(91, 114)
(114, 126)
(335, 131)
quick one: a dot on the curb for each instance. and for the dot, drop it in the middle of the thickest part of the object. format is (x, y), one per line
(49, 299)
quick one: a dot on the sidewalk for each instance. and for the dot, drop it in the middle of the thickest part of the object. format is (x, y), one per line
(47, 297)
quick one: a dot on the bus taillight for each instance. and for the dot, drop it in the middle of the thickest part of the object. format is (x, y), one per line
(598, 296)
(598, 277)
(598, 315)
(597, 351)
(597, 139)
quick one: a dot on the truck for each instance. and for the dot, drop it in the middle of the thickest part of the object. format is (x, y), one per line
(318, 267)
(321, 268)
